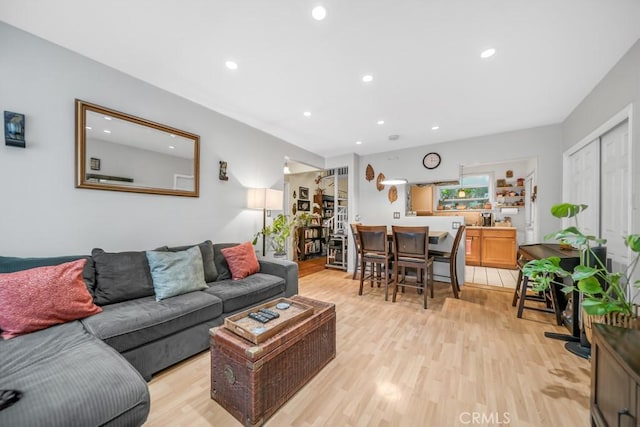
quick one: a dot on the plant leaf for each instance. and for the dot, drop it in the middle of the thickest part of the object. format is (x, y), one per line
(567, 210)
(582, 272)
(590, 285)
(633, 242)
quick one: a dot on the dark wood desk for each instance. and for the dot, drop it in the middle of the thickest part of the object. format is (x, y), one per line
(569, 259)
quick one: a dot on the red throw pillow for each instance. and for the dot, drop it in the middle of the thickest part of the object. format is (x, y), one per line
(242, 260)
(37, 298)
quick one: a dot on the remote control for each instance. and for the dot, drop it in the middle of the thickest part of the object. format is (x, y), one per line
(259, 317)
(268, 313)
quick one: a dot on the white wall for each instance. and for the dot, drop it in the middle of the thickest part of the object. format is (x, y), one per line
(41, 211)
(543, 144)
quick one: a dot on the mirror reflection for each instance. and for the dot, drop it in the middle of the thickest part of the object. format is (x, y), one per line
(116, 151)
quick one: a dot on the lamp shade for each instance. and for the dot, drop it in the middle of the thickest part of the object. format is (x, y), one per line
(264, 198)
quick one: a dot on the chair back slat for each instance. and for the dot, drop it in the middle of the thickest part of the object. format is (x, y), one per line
(456, 244)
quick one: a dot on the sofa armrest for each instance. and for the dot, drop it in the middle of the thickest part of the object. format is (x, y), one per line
(288, 270)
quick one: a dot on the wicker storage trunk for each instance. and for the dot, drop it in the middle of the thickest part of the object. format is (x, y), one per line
(253, 381)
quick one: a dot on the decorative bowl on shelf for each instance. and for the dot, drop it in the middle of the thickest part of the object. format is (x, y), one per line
(461, 207)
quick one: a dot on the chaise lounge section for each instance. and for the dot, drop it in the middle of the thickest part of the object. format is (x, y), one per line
(93, 371)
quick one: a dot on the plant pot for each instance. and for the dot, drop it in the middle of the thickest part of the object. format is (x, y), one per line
(614, 319)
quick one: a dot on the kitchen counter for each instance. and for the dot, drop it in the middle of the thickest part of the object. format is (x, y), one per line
(498, 227)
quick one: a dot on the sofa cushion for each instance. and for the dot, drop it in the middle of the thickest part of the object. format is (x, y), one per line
(130, 324)
(13, 264)
(40, 297)
(208, 262)
(121, 276)
(242, 260)
(238, 294)
(221, 263)
(69, 377)
(176, 273)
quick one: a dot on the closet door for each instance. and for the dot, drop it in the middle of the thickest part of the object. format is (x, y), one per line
(615, 193)
(584, 185)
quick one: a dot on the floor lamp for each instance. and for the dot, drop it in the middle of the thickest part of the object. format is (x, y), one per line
(265, 199)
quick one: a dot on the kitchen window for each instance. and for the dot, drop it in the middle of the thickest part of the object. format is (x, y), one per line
(472, 194)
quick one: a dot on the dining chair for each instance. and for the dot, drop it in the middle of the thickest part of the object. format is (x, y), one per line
(356, 241)
(374, 250)
(451, 258)
(411, 249)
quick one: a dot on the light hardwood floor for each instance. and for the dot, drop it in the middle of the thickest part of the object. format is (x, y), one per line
(400, 365)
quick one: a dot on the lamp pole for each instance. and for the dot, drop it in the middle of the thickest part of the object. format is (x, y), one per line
(264, 238)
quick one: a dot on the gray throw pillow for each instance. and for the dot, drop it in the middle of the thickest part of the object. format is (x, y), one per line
(121, 276)
(13, 264)
(176, 273)
(221, 263)
(206, 249)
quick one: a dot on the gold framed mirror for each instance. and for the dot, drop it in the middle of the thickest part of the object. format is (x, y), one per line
(120, 152)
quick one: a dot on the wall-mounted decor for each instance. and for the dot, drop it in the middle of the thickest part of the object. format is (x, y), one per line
(304, 195)
(95, 164)
(369, 173)
(304, 205)
(14, 129)
(393, 194)
(379, 184)
(509, 173)
(294, 208)
(171, 157)
(431, 160)
(294, 194)
(222, 175)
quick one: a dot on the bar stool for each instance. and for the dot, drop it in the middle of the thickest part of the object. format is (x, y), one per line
(450, 258)
(374, 250)
(411, 249)
(548, 297)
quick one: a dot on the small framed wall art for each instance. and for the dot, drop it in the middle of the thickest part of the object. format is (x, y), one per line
(303, 193)
(304, 205)
(94, 164)
(14, 129)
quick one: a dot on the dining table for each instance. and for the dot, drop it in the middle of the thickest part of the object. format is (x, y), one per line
(435, 236)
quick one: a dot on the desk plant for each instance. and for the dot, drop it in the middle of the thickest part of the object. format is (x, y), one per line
(604, 292)
(277, 233)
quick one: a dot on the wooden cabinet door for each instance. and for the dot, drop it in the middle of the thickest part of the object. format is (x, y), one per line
(498, 248)
(472, 245)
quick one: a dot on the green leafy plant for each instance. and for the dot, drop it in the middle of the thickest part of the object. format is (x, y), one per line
(276, 233)
(604, 292)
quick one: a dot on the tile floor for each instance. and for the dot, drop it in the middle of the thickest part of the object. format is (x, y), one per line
(491, 276)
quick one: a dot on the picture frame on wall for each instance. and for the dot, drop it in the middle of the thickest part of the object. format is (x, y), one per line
(304, 205)
(14, 129)
(303, 192)
(94, 163)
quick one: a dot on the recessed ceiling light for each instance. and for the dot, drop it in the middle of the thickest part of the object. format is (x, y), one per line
(488, 53)
(106, 131)
(88, 127)
(358, 142)
(107, 118)
(319, 13)
(172, 147)
(307, 113)
(367, 78)
(436, 127)
(380, 122)
(232, 65)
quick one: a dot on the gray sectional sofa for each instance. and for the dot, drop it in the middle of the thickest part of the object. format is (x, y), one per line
(93, 371)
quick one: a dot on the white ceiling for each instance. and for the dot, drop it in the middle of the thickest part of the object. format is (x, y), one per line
(423, 54)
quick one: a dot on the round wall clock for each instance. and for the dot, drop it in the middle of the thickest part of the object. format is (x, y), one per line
(431, 160)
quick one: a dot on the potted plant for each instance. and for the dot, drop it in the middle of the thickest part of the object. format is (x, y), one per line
(605, 293)
(277, 234)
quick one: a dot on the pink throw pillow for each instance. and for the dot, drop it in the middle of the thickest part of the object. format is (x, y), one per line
(40, 297)
(242, 260)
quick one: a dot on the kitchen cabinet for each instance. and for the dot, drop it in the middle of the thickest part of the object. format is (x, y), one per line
(472, 245)
(615, 376)
(421, 199)
(491, 247)
(499, 247)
